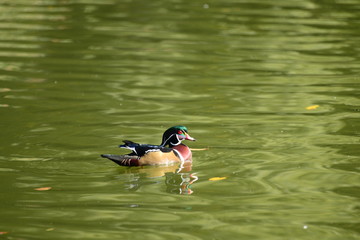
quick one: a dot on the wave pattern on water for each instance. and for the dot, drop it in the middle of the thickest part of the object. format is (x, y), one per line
(78, 77)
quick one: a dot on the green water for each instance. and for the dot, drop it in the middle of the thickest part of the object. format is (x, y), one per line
(78, 77)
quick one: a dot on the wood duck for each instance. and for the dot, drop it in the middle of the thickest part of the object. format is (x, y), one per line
(171, 150)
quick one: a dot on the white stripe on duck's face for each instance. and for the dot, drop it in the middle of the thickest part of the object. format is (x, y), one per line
(178, 140)
(173, 137)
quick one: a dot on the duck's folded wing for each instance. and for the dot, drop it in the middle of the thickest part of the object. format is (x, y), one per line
(141, 149)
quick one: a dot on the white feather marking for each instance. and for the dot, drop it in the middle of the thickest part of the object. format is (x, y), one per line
(152, 150)
(178, 142)
(171, 142)
(131, 148)
(180, 156)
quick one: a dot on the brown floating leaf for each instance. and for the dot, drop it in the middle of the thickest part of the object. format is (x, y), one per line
(2, 233)
(217, 178)
(42, 189)
(312, 107)
(5, 89)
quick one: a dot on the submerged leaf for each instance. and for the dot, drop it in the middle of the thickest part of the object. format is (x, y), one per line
(42, 189)
(217, 178)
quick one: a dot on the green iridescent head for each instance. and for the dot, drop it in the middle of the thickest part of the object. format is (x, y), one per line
(174, 135)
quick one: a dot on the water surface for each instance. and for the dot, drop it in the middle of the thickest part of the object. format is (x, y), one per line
(271, 89)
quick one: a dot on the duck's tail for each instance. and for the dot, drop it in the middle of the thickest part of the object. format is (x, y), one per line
(123, 160)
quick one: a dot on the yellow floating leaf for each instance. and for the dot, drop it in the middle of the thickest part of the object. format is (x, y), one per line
(217, 178)
(312, 107)
(50, 229)
(42, 188)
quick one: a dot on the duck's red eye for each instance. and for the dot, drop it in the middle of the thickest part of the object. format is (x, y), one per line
(180, 132)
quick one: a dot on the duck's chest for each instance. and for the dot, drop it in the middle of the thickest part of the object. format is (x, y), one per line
(184, 151)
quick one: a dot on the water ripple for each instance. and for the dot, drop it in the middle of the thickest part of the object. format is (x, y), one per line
(78, 77)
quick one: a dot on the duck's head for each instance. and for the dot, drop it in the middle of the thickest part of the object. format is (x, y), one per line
(175, 135)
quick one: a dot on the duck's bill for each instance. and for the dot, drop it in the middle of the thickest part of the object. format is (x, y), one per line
(187, 137)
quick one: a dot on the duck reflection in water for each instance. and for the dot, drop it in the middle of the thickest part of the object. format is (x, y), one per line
(180, 183)
(178, 178)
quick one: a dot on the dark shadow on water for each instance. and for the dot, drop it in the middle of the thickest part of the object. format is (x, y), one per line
(351, 226)
(351, 191)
